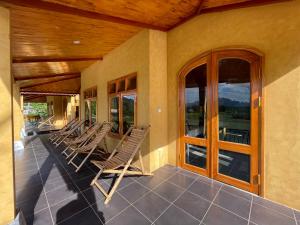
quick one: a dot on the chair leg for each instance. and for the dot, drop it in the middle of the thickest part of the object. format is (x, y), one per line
(64, 152)
(69, 155)
(114, 188)
(141, 162)
(96, 177)
(84, 160)
(72, 158)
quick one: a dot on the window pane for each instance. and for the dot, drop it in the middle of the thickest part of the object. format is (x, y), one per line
(195, 155)
(128, 112)
(94, 111)
(234, 101)
(195, 102)
(114, 114)
(87, 113)
(233, 164)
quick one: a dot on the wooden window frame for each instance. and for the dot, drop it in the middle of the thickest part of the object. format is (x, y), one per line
(229, 52)
(117, 92)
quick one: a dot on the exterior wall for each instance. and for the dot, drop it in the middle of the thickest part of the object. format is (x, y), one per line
(158, 110)
(274, 30)
(136, 55)
(7, 203)
(64, 108)
(18, 115)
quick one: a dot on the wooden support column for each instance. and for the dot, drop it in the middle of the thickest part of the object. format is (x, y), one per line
(7, 199)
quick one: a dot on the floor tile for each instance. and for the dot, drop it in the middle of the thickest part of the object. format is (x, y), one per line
(92, 194)
(116, 205)
(129, 217)
(133, 192)
(41, 218)
(151, 205)
(193, 204)
(218, 216)
(237, 205)
(33, 205)
(181, 180)
(68, 207)
(150, 181)
(175, 216)
(188, 173)
(297, 216)
(237, 192)
(274, 206)
(265, 216)
(204, 190)
(163, 173)
(87, 216)
(169, 191)
(56, 195)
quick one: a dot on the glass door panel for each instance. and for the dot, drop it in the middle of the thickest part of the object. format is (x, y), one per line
(234, 96)
(218, 114)
(235, 124)
(195, 116)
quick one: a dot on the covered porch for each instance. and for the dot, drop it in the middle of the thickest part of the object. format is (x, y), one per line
(205, 93)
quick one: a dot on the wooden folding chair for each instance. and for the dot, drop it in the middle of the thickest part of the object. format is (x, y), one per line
(92, 147)
(79, 141)
(56, 134)
(120, 160)
(46, 122)
(66, 134)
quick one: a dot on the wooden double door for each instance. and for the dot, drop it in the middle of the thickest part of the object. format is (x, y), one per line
(219, 99)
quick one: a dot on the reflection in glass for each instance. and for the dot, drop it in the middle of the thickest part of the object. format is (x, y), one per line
(87, 113)
(94, 111)
(234, 100)
(195, 155)
(233, 164)
(128, 111)
(114, 114)
(195, 102)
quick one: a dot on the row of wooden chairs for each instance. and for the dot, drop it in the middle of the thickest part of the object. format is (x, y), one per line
(119, 161)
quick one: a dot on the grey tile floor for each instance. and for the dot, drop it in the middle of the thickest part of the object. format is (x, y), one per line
(49, 192)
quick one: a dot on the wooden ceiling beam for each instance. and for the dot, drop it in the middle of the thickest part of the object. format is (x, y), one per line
(49, 59)
(49, 82)
(200, 7)
(46, 76)
(48, 93)
(250, 3)
(56, 7)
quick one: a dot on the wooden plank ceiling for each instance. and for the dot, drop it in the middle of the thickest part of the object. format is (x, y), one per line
(54, 40)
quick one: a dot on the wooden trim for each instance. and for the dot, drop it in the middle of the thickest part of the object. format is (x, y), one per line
(59, 8)
(56, 59)
(47, 93)
(49, 82)
(120, 95)
(46, 76)
(254, 57)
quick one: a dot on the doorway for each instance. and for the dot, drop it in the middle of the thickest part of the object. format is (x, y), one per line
(219, 99)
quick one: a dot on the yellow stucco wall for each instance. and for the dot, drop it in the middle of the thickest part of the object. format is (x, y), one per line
(7, 201)
(17, 113)
(63, 112)
(136, 55)
(158, 110)
(275, 31)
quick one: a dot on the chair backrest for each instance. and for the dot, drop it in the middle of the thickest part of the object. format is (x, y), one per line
(98, 137)
(74, 127)
(69, 125)
(132, 144)
(88, 133)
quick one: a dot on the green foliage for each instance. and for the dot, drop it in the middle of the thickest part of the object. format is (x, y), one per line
(40, 109)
